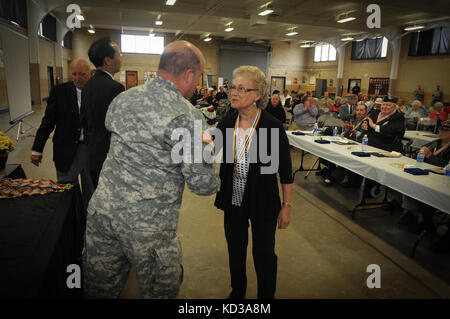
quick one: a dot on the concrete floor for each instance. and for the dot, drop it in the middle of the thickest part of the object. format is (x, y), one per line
(322, 254)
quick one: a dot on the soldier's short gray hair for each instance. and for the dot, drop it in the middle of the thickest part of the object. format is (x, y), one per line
(176, 62)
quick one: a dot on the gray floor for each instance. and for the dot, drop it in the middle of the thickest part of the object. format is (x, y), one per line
(322, 254)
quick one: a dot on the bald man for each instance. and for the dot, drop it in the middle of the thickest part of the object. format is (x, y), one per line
(63, 115)
(133, 215)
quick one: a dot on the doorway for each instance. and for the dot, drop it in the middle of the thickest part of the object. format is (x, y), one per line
(277, 83)
(51, 80)
(131, 79)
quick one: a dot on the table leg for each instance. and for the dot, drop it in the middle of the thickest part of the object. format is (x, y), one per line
(301, 169)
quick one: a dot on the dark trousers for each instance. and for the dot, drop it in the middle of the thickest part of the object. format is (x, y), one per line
(236, 224)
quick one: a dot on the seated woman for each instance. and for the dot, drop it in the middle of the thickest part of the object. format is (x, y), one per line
(275, 108)
(413, 114)
(337, 104)
(304, 116)
(439, 113)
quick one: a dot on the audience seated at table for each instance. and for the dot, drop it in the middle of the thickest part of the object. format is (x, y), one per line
(336, 105)
(304, 116)
(353, 130)
(385, 127)
(413, 114)
(436, 153)
(275, 108)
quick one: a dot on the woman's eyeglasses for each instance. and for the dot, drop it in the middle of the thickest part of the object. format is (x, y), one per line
(241, 90)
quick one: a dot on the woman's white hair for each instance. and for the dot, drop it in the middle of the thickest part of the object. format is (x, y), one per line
(416, 102)
(257, 76)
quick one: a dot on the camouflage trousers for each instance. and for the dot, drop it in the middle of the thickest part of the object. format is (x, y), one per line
(113, 247)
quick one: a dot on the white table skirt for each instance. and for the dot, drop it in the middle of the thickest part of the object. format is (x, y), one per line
(429, 189)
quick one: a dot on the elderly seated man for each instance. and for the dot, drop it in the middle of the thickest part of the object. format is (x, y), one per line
(413, 114)
(326, 102)
(385, 127)
(353, 130)
(436, 153)
(304, 115)
(348, 110)
(275, 108)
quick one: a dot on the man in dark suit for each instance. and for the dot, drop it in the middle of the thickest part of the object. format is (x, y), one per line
(62, 115)
(348, 110)
(98, 93)
(385, 127)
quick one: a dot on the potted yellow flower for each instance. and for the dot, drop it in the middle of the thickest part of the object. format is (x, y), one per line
(6, 146)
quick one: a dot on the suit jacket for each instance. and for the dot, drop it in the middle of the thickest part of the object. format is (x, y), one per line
(391, 132)
(61, 115)
(97, 94)
(440, 159)
(261, 198)
(344, 113)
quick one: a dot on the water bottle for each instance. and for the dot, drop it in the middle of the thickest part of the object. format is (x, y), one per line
(420, 158)
(316, 129)
(335, 131)
(365, 142)
(447, 175)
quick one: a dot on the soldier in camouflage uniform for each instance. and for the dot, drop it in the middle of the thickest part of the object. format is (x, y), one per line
(133, 215)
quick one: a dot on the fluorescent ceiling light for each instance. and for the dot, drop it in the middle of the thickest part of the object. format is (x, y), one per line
(91, 31)
(265, 12)
(291, 33)
(258, 41)
(414, 27)
(347, 39)
(346, 19)
(306, 45)
(80, 17)
(229, 29)
(158, 22)
(171, 2)
(207, 39)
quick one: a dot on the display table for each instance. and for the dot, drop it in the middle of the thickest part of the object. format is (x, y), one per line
(40, 236)
(12, 171)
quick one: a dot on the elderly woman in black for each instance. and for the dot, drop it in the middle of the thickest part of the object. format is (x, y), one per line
(249, 185)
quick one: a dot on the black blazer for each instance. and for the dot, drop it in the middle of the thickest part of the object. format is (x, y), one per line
(62, 115)
(391, 133)
(97, 94)
(261, 198)
(442, 158)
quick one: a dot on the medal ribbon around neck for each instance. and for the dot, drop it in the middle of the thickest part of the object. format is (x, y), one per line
(443, 147)
(239, 153)
(379, 119)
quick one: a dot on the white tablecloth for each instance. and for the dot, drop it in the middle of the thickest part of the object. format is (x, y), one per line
(429, 189)
(421, 138)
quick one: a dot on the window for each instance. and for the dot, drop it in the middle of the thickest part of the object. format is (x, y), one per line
(132, 43)
(369, 49)
(323, 53)
(47, 28)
